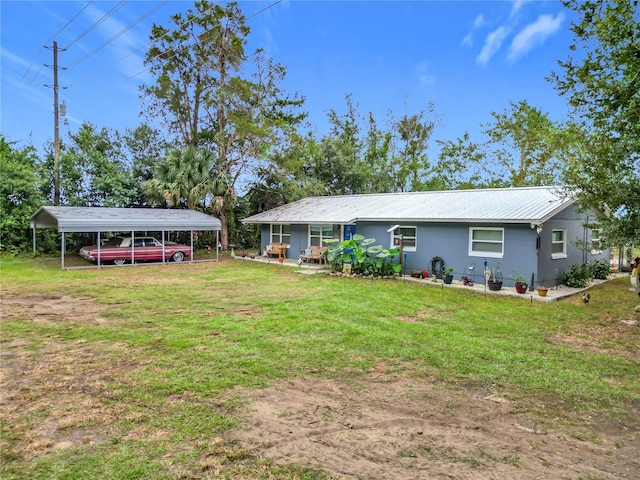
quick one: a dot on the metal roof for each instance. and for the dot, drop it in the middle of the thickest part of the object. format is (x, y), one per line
(101, 219)
(496, 205)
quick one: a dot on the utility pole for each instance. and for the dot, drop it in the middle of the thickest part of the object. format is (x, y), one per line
(56, 129)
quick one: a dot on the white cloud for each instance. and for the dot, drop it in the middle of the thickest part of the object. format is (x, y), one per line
(479, 21)
(534, 34)
(425, 78)
(270, 46)
(13, 59)
(492, 44)
(517, 6)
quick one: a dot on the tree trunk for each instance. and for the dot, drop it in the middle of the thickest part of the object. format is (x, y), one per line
(224, 229)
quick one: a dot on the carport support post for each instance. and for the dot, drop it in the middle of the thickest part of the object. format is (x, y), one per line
(191, 253)
(63, 247)
(34, 240)
(99, 245)
(217, 244)
(163, 254)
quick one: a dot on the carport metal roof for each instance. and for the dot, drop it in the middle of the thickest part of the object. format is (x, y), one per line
(101, 219)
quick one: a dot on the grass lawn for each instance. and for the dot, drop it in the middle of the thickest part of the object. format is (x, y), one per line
(150, 372)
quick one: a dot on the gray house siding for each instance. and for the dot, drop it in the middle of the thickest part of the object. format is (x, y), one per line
(450, 241)
(543, 233)
(579, 245)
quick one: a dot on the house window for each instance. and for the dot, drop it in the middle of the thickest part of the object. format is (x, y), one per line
(486, 242)
(281, 233)
(319, 233)
(409, 238)
(558, 244)
(596, 241)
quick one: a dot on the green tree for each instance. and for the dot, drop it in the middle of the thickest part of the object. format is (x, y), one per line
(376, 155)
(341, 167)
(461, 164)
(602, 84)
(203, 96)
(522, 147)
(19, 195)
(93, 170)
(527, 145)
(143, 147)
(188, 178)
(409, 162)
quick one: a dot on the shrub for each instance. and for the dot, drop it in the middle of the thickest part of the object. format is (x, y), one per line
(601, 269)
(578, 276)
(364, 257)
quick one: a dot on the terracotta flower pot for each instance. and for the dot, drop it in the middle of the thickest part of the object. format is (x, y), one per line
(542, 291)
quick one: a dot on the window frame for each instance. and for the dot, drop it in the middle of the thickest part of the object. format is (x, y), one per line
(322, 237)
(277, 236)
(596, 241)
(405, 248)
(482, 253)
(563, 254)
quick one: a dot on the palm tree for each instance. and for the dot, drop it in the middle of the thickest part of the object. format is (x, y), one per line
(189, 178)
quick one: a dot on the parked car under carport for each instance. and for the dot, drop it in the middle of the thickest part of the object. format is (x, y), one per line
(120, 250)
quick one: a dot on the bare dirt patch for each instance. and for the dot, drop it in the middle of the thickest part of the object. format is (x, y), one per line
(400, 428)
(60, 395)
(52, 308)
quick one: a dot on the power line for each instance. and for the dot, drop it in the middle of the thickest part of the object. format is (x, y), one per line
(128, 55)
(176, 53)
(52, 37)
(97, 23)
(117, 35)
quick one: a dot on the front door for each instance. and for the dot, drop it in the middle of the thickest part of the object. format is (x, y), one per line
(349, 232)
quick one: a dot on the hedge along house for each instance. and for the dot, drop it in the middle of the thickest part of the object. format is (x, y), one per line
(133, 221)
(537, 231)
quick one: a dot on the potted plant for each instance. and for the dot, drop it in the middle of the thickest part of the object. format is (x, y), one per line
(542, 290)
(520, 281)
(495, 280)
(447, 274)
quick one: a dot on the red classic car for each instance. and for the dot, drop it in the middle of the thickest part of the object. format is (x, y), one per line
(145, 249)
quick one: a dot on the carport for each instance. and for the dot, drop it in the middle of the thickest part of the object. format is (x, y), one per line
(101, 220)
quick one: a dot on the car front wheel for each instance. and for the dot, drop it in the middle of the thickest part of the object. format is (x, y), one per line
(119, 261)
(178, 257)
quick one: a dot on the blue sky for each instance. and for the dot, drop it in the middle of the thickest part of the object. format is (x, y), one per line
(467, 57)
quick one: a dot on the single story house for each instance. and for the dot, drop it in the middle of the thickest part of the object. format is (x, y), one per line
(527, 231)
